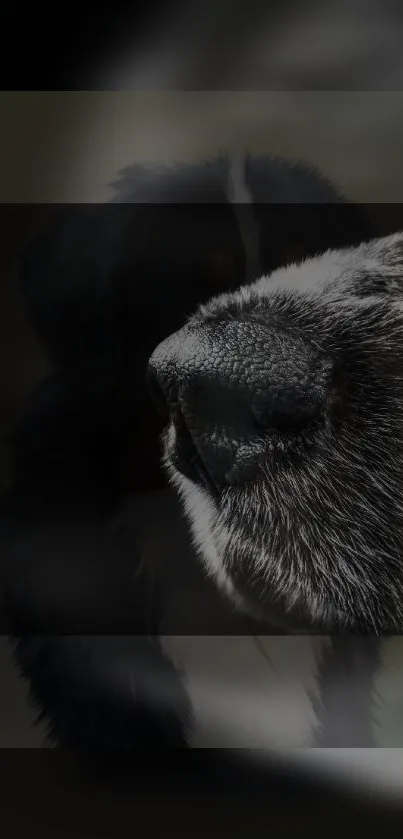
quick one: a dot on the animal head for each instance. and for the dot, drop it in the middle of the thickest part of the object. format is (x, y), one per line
(285, 440)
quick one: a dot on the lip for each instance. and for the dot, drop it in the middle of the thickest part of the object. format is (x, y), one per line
(186, 458)
(205, 478)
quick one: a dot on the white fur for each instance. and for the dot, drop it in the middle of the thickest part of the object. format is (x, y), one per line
(387, 695)
(247, 692)
(200, 513)
(258, 693)
(241, 197)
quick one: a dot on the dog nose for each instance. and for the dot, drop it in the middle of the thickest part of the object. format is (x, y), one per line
(233, 389)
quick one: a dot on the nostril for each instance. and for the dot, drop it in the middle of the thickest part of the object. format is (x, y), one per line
(284, 415)
(221, 406)
(235, 392)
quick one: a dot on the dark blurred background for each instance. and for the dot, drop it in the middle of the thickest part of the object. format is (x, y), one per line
(84, 94)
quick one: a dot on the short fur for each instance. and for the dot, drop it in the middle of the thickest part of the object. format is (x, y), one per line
(318, 530)
(103, 287)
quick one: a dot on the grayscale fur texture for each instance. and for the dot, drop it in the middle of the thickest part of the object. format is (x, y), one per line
(316, 535)
(310, 545)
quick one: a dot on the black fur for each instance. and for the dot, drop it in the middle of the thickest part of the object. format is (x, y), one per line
(104, 285)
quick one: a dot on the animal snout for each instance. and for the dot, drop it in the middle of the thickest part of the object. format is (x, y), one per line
(234, 390)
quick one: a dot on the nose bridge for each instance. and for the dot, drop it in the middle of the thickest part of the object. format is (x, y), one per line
(217, 354)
